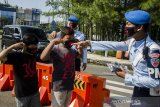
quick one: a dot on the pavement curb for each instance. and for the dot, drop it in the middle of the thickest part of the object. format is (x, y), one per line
(98, 61)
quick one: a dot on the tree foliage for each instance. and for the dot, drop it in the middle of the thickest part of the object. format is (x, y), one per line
(20, 20)
(5, 5)
(59, 8)
(105, 18)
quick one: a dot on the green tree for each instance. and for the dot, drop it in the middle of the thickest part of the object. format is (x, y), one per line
(21, 20)
(105, 18)
(60, 8)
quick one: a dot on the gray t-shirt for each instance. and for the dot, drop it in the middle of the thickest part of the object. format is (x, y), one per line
(64, 67)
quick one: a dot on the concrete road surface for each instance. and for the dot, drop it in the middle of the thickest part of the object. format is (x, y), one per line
(119, 92)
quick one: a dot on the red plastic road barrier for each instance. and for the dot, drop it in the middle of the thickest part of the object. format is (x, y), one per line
(1, 70)
(89, 91)
(4, 83)
(45, 80)
(9, 71)
(43, 95)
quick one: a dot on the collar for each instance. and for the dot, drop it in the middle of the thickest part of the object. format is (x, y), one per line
(148, 42)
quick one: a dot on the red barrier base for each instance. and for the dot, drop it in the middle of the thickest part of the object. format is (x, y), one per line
(1, 74)
(77, 103)
(44, 96)
(4, 83)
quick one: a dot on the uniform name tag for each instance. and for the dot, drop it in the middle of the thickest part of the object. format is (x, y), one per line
(154, 73)
(153, 64)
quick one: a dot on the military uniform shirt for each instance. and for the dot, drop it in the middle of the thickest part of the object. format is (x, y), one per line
(140, 77)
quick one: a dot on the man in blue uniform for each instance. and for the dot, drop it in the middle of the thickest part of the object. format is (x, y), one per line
(144, 55)
(73, 23)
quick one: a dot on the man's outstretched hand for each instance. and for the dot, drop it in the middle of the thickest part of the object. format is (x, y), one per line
(82, 44)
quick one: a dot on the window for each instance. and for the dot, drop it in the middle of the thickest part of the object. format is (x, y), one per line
(8, 31)
(16, 31)
(39, 32)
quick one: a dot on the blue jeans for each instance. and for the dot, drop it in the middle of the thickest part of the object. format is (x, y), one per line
(29, 101)
(61, 98)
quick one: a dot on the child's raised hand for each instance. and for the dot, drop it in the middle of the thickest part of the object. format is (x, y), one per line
(52, 35)
(18, 45)
(82, 44)
(57, 40)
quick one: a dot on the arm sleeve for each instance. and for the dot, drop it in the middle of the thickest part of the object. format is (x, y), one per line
(141, 81)
(84, 56)
(81, 37)
(108, 45)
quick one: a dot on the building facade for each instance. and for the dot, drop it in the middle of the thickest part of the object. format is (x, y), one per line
(10, 15)
(7, 15)
(28, 16)
(36, 16)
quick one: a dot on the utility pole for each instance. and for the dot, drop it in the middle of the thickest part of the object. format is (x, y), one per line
(68, 8)
(5, 1)
(67, 15)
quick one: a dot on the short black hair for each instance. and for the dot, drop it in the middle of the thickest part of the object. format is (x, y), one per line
(146, 27)
(30, 38)
(66, 31)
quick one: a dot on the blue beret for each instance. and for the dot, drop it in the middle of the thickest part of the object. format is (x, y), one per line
(73, 18)
(138, 17)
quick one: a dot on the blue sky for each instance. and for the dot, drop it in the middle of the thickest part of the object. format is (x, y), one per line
(39, 4)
